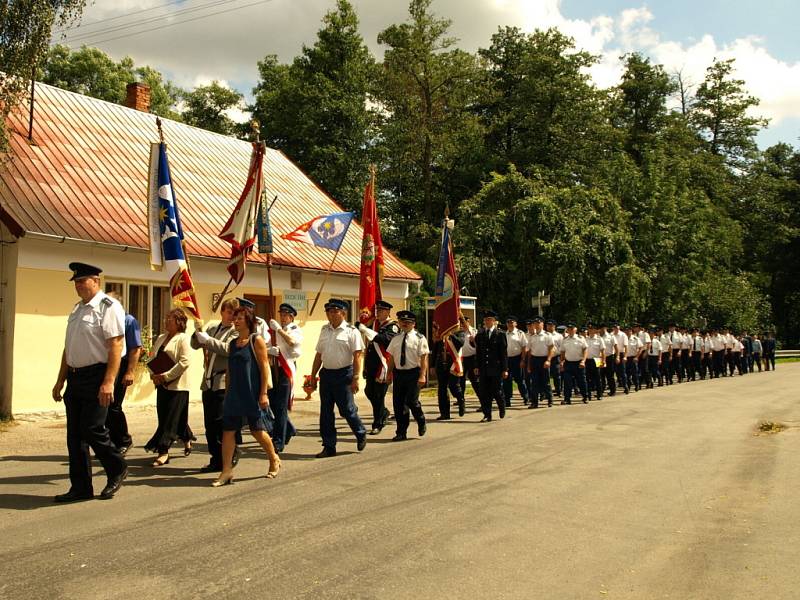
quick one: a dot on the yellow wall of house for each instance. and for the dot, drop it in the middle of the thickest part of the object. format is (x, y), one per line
(45, 297)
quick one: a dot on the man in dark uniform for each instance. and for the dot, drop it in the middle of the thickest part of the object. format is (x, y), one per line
(115, 421)
(378, 337)
(407, 365)
(445, 377)
(338, 362)
(89, 365)
(492, 365)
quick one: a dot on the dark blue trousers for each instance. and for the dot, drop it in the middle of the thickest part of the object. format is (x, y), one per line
(405, 399)
(335, 391)
(515, 374)
(632, 373)
(555, 373)
(540, 378)
(282, 430)
(574, 373)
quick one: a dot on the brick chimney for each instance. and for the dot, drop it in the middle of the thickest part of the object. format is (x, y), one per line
(138, 96)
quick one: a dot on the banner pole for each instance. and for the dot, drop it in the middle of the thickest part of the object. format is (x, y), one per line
(324, 280)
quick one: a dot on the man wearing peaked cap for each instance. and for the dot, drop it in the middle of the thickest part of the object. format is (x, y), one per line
(408, 366)
(90, 362)
(515, 347)
(285, 351)
(555, 362)
(378, 335)
(492, 365)
(261, 325)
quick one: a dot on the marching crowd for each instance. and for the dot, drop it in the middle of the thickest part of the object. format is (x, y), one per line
(249, 370)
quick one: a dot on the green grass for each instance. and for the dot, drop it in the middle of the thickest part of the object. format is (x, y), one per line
(788, 359)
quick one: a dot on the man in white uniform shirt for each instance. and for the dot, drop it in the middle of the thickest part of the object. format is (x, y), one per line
(555, 362)
(515, 345)
(654, 359)
(408, 366)
(594, 361)
(339, 351)
(468, 356)
(666, 368)
(621, 339)
(540, 352)
(89, 364)
(573, 363)
(632, 350)
(285, 350)
(609, 360)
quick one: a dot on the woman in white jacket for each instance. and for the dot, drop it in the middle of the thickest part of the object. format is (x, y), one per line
(172, 388)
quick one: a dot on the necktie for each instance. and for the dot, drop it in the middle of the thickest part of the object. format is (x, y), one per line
(403, 351)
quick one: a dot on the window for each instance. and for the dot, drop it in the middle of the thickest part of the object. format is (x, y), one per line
(148, 302)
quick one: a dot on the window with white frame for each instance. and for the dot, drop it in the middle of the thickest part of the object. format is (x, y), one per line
(148, 302)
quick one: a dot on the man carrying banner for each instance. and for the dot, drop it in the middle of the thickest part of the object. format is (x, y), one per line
(378, 339)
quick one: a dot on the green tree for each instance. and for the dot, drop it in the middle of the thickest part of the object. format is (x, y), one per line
(721, 113)
(430, 136)
(92, 72)
(25, 30)
(206, 105)
(316, 110)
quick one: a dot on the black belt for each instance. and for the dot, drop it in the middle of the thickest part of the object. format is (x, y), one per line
(84, 370)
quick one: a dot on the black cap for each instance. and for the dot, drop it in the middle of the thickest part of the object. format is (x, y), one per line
(550, 322)
(539, 320)
(336, 303)
(406, 315)
(511, 318)
(81, 270)
(287, 308)
(570, 324)
(244, 302)
(383, 304)
(490, 313)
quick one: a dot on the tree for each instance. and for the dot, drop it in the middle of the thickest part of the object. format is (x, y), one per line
(206, 105)
(25, 30)
(92, 72)
(427, 92)
(317, 110)
(721, 114)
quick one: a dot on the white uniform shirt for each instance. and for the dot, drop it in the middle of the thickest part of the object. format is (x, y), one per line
(686, 341)
(655, 348)
(717, 342)
(667, 345)
(416, 348)
(515, 342)
(622, 341)
(539, 344)
(608, 342)
(573, 346)
(697, 344)
(596, 346)
(89, 326)
(557, 339)
(337, 345)
(737, 345)
(708, 345)
(290, 350)
(728, 339)
(469, 349)
(633, 345)
(644, 337)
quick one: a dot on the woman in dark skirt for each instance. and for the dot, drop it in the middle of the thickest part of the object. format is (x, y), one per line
(172, 389)
(248, 380)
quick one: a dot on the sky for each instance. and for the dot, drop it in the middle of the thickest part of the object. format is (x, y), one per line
(194, 42)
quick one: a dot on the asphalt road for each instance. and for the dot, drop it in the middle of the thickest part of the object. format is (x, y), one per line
(662, 494)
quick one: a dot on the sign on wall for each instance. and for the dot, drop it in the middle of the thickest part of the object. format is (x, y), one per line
(296, 299)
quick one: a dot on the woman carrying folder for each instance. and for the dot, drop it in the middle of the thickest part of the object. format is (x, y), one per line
(169, 364)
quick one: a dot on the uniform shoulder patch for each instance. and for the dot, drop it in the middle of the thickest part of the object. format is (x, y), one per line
(107, 302)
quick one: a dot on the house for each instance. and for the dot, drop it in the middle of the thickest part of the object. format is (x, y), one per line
(77, 191)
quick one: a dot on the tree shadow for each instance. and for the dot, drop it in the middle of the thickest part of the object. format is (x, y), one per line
(27, 502)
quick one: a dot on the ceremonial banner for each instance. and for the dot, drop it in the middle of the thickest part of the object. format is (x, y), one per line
(166, 233)
(448, 300)
(325, 231)
(371, 254)
(240, 230)
(262, 227)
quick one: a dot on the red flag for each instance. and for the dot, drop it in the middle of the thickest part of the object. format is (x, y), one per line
(448, 299)
(371, 255)
(240, 230)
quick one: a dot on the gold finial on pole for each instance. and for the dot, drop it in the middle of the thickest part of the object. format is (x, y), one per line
(160, 130)
(255, 129)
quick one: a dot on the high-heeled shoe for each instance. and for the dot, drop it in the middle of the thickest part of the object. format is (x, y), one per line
(161, 461)
(187, 448)
(222, 480)
(274, 469)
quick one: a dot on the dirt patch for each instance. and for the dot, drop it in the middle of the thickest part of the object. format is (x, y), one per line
(768, 427)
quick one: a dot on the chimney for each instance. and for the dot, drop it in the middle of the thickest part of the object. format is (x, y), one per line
(138, 96)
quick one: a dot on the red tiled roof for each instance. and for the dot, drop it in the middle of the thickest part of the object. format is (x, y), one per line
(85, 177)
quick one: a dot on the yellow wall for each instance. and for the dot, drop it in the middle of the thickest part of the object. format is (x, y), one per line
(44, 299)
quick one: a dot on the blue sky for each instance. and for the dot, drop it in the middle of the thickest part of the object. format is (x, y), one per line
(680, 34)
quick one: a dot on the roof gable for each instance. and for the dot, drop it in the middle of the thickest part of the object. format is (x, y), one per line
(85, 177)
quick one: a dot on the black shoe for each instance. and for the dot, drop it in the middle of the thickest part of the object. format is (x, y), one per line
(73, 496)
(486, 420)
(236, 455)
(585, 401)
(502, 412)
(211, 468)
(533, 406)
(422, 428)
(400, 437)
(124, 448)
(386, 416)
(508, 404)
(461, 409)
(326, 452)
(442, 418)
(479, 409)
(375, 431)
(361, 443)
(113, 485)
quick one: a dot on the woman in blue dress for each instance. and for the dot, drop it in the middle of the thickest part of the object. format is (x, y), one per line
(248, 380)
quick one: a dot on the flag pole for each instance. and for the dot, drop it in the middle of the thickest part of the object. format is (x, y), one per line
(271, 303)
(324, 280)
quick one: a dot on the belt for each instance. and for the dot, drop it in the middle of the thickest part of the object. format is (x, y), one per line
(88, 369)
(340, 370)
